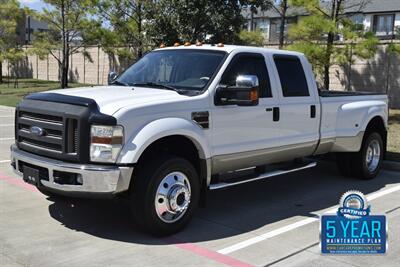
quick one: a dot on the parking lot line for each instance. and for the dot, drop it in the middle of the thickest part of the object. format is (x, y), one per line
(287, 228)
(6, 125)
(5, 161)
(18, 182)
(210, 254)
(6, 138)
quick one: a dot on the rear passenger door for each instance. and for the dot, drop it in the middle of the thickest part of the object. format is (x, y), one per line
(299, 107)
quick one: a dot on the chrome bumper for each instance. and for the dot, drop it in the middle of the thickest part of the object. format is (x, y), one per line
(95, 178)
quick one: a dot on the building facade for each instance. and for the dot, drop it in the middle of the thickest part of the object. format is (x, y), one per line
(27, 27)
(379, 16)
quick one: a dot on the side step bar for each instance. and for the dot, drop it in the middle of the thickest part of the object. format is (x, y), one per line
(262, 176)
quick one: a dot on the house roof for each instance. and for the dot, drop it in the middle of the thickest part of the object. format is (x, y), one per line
(272, 13)
(376, 6)
(370, 6)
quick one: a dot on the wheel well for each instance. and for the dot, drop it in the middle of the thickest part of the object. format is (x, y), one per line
(180, 146)
(377, 125)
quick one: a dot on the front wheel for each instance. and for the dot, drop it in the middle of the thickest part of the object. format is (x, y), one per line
(165, 194)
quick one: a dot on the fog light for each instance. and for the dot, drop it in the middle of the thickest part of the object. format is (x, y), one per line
(79, 180)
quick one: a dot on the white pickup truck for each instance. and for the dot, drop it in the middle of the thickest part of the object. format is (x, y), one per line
(187, 119)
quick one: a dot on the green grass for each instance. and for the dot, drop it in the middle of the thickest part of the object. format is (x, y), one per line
(394, 135)
(10, 96)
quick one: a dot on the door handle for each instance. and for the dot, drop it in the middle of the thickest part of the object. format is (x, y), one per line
(275, 114)
(312, 111)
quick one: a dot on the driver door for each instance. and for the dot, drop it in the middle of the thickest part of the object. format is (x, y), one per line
(240, 133)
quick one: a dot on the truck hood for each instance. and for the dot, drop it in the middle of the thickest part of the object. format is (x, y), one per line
(112, 98)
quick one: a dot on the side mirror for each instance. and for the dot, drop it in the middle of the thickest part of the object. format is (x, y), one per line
(244, 93)
(112, 75)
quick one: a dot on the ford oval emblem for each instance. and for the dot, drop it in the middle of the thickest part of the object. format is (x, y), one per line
(37, 131)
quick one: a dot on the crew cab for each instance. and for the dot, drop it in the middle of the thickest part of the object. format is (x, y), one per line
(187, 119)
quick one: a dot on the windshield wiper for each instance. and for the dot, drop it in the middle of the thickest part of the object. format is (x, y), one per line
(159, 85)
(116, 82)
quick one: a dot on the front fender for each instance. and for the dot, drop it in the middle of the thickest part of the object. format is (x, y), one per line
(137, 143)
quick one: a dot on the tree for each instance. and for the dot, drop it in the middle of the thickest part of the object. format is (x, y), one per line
(315, 35)
(126, 21)
(70, 29)
(252, 38)
(393, 49)
(9, 15)
(14, 57)
(173, 21)
(281, 8)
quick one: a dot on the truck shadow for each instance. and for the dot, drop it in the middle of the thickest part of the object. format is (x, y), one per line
(229, 212)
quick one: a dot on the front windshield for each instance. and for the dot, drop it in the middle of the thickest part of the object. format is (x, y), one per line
(177, 69)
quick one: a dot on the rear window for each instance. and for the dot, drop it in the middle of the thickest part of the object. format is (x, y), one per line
(291, 75)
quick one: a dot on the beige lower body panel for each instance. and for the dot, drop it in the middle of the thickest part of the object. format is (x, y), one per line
(340, 144)
(235, 161)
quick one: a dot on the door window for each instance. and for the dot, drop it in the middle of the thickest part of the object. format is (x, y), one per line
(248, 64)
(291, 75)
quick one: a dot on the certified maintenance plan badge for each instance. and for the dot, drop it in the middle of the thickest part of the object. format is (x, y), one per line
(353, 230)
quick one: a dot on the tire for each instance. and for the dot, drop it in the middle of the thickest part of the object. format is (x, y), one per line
(362, 168)
(165, 183)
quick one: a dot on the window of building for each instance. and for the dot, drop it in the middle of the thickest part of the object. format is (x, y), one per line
(383, 24)
(358, 20)
(262, 25)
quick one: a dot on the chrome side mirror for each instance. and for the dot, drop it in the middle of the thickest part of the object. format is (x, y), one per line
(244, 93)
(247, 81)
(112, 75)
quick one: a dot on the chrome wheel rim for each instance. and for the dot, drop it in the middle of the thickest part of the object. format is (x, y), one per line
(172, 197)
(373, 155)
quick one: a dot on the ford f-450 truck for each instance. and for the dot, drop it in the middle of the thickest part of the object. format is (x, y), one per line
(187, 119)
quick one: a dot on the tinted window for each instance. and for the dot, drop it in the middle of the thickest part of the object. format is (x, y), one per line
(291, 74)
(248, 64)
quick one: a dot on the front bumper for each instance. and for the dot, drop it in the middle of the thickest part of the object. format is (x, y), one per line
(94, 179)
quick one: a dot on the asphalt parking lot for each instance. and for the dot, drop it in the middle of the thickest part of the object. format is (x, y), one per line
(272, 222)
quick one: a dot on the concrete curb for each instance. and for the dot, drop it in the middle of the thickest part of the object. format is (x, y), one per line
(391, 165)
(6, 108)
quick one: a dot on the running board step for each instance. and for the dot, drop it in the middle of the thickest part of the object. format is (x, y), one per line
(265, 175)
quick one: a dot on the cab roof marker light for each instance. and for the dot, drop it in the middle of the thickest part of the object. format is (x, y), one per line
(177, 44)
(187, 44)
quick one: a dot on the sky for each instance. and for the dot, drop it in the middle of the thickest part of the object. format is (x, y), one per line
(33, 4)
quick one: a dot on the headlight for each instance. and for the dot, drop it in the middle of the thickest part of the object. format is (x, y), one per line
(105, 143)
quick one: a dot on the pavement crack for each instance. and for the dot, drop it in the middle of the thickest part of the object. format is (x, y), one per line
(292, 254)
(392, 210)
